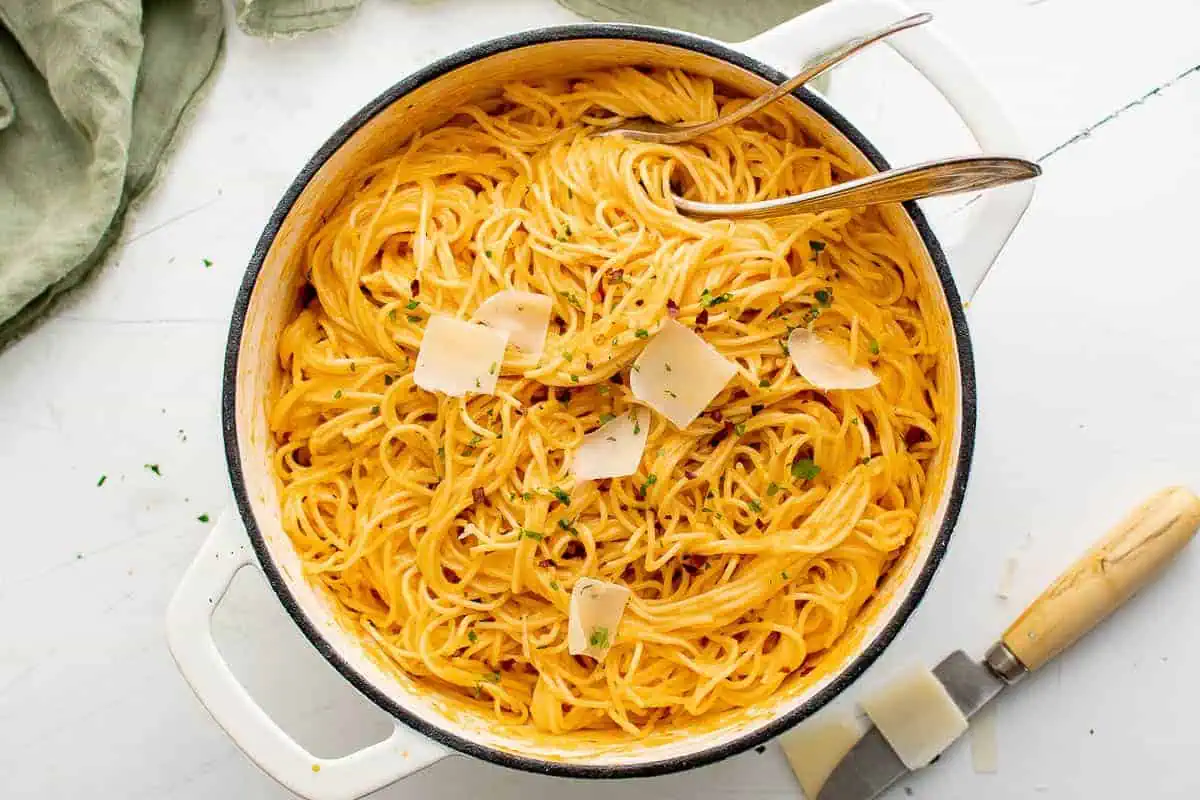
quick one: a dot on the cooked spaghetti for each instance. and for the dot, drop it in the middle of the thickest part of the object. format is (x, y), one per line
(450, 530)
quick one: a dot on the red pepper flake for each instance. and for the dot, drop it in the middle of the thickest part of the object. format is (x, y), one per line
(702, 318)
(722, 434)
(562, 395)
(540, 395)
(574, 549)
(604, 484)
(756, 408)
(450, 575)
(691, 476)
(415, 287)
(616, 275)
(589, 365)
(914, 436)
(672, 309)
(546, 563)
(616, 378)
(693, 563)
(478, 495)
(715, 414)
(562, 324)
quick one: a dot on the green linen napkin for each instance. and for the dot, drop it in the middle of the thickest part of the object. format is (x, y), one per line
(727, 20)
(91, 94)
(721, 19)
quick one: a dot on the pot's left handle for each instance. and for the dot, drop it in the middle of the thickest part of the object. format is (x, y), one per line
(189, 634)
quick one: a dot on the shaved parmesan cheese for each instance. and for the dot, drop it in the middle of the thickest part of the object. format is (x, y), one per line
(678, 374)
(457, 357)
(594, 616)
(526, 317)
(815, 747)
(615, 449)
(916, 715)
(823, 365)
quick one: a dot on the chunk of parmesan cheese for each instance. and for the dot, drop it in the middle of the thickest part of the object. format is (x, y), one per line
(525, 315)
(615, 449)
(457, 357)
(824, 365)
(916, 715)
(678, 374)
(814, 747)
(594, 615)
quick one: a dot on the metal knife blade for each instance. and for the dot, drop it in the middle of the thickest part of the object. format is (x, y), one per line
(872, 765)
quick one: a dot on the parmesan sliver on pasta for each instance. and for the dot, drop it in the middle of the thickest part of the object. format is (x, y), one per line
(615, 449)
(525, 315)
(594, 615)
(678, 374)
(825, 366)
(457, 357)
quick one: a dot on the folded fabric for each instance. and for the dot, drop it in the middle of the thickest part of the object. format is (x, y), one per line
(720, 19)
(726, 20)
(91, 95)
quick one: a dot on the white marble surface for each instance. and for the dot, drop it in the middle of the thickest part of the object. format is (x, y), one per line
(1089, 372)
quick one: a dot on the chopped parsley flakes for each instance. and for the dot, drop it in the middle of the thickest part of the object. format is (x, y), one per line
(708, 299)
(755, 506)
(804, 469)
(607, 417)
(599, 637)
(535, 535)
(202, 518)
(103, 478)
(873, 346)
(154, 468)
(641, 333)
(561, 496)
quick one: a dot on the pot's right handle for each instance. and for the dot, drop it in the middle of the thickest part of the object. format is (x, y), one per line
(993, 217)
(189, 634)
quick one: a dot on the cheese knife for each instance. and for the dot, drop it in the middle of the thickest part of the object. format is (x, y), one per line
(1128, 558)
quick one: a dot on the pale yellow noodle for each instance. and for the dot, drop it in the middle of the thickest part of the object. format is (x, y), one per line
(409, 507)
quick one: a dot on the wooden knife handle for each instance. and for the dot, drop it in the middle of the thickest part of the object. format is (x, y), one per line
(1108, 575)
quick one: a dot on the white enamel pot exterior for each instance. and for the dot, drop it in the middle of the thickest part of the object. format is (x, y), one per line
(252, 534)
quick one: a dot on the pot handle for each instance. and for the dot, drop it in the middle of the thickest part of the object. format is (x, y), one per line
(189, 635)
(993, 217)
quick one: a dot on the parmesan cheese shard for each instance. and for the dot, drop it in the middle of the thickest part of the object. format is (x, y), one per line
(824, 365)
(813, 748)
(916, 715)
(457, 357)
(615, 449)
(594, 616)
(678, 374)
(525, 315)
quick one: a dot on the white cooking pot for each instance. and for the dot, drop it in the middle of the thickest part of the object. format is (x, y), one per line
(425, 729)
